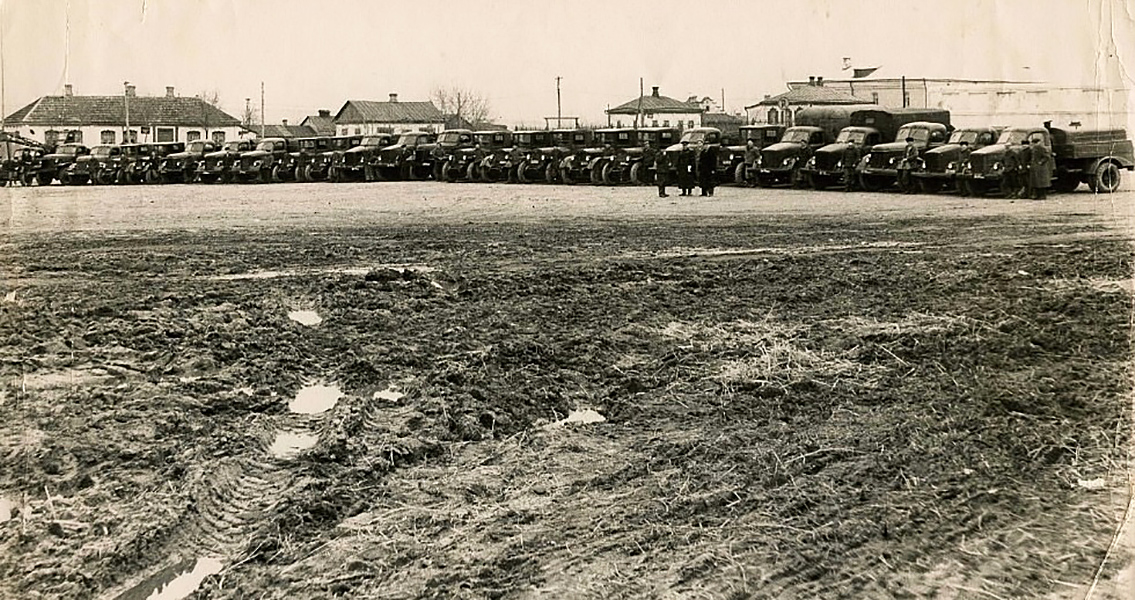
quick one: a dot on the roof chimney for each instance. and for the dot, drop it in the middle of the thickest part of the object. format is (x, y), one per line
(68, 90)
(131, 91)
(169, 91)
(393, 97)
(323, 112)
(820, 81)
(654, 91)
(284, 121)
(811, 80)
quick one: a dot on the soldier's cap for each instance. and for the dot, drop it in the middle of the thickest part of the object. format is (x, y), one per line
(910, 139)
(1024, 142)
(685, 141)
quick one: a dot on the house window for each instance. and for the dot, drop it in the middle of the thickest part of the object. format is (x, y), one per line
(74, 137)
(691, 123)
(164, 134)
(131, 137)
(654, 123)
(773, 116)
(219, 137)
(665, 122)
(358, 131)
(107, 136)
(51, 137)
(192, 136)
(874, 97)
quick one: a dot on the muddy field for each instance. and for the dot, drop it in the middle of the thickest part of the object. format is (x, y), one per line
(431, 391)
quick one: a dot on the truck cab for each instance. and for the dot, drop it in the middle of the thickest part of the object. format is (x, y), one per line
(293, 166)
(356, 164)
(465, 163)
(879, 167)
(100, 167)
(223, 164)
(825, 168)
(627, 166)
(181, 167)
(432, 157)
(320, 166)
(53, 165)
(396, 161)
(941, 165)
(780, 163)
(262, 164)
(545, 162)
(503, 163)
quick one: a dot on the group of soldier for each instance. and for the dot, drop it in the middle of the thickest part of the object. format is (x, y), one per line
(694, 166)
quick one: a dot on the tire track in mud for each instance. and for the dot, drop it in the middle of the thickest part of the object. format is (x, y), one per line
(234, 498)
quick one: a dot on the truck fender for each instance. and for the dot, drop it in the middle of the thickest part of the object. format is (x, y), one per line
(1119, 161)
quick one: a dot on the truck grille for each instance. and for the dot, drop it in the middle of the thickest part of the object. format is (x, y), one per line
(936, 161)
(980, 163)
(774, 159)
(882, 160)
(825, 161)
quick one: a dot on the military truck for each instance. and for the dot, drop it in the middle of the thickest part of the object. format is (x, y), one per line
(879, 168)
(400, 161)
(53, 165)
(502, 163)
(586, 164)
(940, 166)
(263, 163)
(100, 166)
(869, 127)
(543, 164)
(181, 167)
(465, 163)
(815, 127)
(319, 168)
(695, 137)
(355, 164)
(1091, 156)
(431, 158)
(223, 164)
(626, 166)
(294, 164)
(731, 159)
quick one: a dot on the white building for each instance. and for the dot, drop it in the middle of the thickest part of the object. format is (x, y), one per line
(367, 117)
(657, 111)
(93, 120)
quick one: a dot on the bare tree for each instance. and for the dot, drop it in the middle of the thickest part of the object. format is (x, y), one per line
(461, 103)
(209, 98)
(250, 117)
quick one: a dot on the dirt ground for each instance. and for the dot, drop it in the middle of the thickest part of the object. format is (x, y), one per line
(420, 390)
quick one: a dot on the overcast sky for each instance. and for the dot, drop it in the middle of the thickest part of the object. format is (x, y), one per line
(313, 55)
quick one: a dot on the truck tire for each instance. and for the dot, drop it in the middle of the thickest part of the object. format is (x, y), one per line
(636, 174)
(447, 171)
(297, 174)
(44, 178)
(596, 174)
(606, 174)
(406, 172)
(869, 184)
(739, 174)
(471, 172)
(276, 174)
(520, 176)
(1106, 178)
(307, 175)
(796, 178)
(550, 173)
(151, 176)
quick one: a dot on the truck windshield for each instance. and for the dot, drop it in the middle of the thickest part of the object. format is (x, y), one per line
(264, 146)
(196, 147)
(919, 134)
(102, 151)
(374, 140)
(847, 135)
(1013, 136)
(408, 139)
(453, 137)
(796, 135)
(523, 139)
(962, 135)
(693, 137)
(70, 150)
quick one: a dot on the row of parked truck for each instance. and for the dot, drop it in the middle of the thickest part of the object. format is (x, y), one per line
(808, 154)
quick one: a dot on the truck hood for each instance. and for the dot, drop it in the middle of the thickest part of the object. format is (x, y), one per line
(898, 147)
(992, 150)
(835, 148)
(781, 147)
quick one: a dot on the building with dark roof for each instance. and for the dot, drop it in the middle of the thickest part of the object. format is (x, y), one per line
(283, 130)
(781, 108)
(368, 117)
(322, 123)
(92, 120)
(657, 111)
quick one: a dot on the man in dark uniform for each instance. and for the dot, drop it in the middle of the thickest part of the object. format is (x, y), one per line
(1024, 184)
(850, 160)
(1041, 166)
(960, 168)
(906, 165)
(752, 153)
(685, 166)
(649, 156)
(707, 168)
(661, 172)
(1009, 175)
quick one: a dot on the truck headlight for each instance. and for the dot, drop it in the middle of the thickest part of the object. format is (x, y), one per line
(951, 166)
(789, 162)
(811, 162)
(996, 166)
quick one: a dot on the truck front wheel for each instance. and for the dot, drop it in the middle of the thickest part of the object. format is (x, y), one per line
(1106, 178)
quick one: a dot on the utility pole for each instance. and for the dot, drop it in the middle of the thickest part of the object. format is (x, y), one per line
(638, 115)
(261, 109)
(559, 114)
(126, 103)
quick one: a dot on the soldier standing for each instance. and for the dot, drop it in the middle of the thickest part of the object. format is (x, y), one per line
(685, 164)
(850, 160)
(707, 169)
(661, 172)
(1024, 188)
(751, 154)
(906, 165)
(1010, 175)
(1041, 166)
(960, 170)
(649, 156)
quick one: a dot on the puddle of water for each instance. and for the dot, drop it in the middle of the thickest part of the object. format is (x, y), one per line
(252, 275)
(291, 443)
(305, 317)
(5, 509)
(585, 416)
(187, 583)
(315, 399)
(388, 394)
